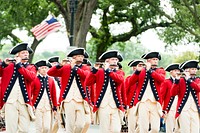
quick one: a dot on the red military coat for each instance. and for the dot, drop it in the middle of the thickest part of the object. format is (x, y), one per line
(38, 86)
(130, 91)
(166, 95)
(156, 77)
(67, 75)
(182, 88)
(89, 89)
(123, 88)
(9, 73)
(101, 78)
(120, 71)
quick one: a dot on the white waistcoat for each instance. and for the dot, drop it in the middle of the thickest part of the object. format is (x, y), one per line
(108, 98)
(148, 94)
(190, 104)
(74, 93)
(44, 102)
(16, 94)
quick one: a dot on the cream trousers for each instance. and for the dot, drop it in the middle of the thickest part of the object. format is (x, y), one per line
(188, 121)
(17, 118)
(109, 119)
(75, 116)
(43, 121)
(148, 114)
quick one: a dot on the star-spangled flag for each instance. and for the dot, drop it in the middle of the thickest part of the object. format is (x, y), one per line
(46, 27)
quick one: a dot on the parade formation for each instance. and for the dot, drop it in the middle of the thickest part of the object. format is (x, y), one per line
(74, 94)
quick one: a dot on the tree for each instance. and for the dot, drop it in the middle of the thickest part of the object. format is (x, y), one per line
(46, 55)
(185, 19)
(188, 55)
(138, 14)
(141, 15)
(83, 15)
(22, 15)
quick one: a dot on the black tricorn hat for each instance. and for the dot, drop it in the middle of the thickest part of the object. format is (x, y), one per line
(53, 59)
(42, 63)
(21, 47)
(86, 55)
(109, 54)
(119, 65)
(77, 51)
(172, 66)
(189, 64)
(86, 61)
(151, 55)
(120, 57)
(134, 63)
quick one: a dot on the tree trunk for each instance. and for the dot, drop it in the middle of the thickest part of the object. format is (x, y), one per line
(33, 47)
(101, 48)
(82, 21)
(83, 16)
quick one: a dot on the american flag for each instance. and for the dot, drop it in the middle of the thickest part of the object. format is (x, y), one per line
(46, 27)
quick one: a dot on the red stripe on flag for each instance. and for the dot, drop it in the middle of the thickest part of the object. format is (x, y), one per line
(41, 30)
(47, 31)
(44, 28)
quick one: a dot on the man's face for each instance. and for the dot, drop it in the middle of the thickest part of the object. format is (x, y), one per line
(23, 54)
(192, 71)
(174, 72)
(78, 58)
(113, 61)
(153, 61)
(43, 70)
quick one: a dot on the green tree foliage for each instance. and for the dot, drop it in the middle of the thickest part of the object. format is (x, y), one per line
(5, 52)
(188, 55)
(23, 15)
(185, 19)
(138, 14)
(46, 55)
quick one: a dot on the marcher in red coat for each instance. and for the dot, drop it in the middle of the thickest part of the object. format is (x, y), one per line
(187, 88)
(89, 89)
(148, 97)
(44, 98)
(73, 98)
(120, 70)
(130, 93)
(108, 92)
(53, 62)
(123, 89)
(17, 75)
(169, 102)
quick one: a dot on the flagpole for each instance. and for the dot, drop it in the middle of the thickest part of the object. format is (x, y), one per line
(73, 5)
